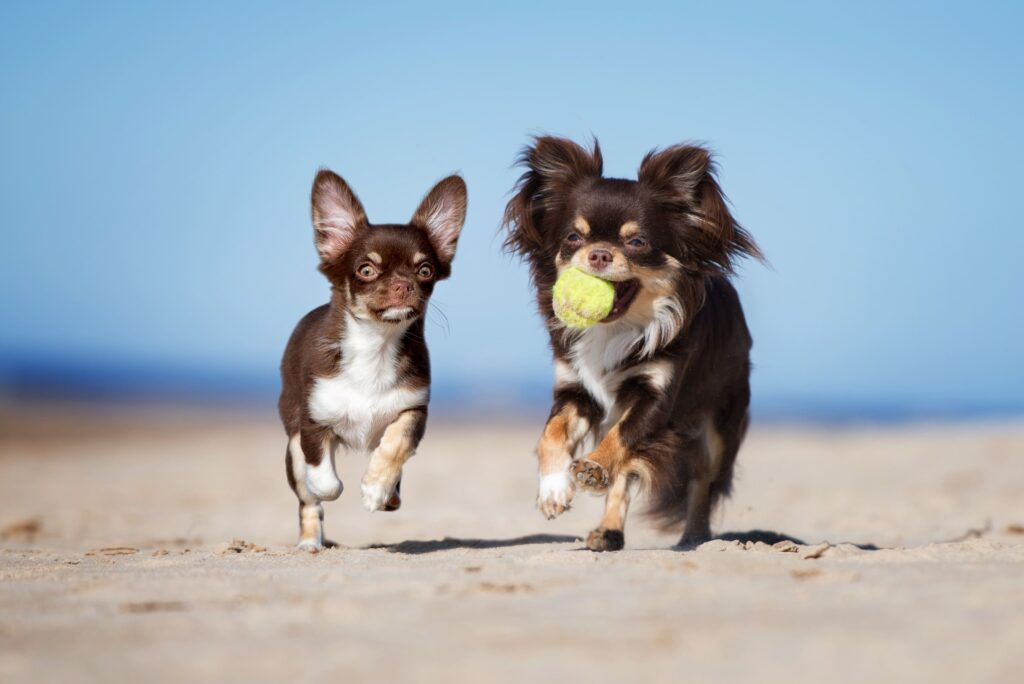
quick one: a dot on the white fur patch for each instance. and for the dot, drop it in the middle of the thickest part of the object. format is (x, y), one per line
(668, 322)
(556, 487)
(365, 396)
(565, 375)
(322, 480)
(375, 496)
(597, 353)
(659, 373)
(299, 469)
(397, 313)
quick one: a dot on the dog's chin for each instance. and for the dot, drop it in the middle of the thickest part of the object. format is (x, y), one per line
(625, 293)
(397, 314)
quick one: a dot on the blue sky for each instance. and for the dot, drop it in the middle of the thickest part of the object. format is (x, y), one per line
(155, 164)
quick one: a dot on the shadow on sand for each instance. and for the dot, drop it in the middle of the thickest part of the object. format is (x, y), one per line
(449, 543)
(766, 536)
(416, 547)
(769, 537)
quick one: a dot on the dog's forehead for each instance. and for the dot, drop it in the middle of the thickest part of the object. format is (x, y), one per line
(395, 244)
(609, 203)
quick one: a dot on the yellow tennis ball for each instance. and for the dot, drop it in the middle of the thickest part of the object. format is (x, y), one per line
(581, 300)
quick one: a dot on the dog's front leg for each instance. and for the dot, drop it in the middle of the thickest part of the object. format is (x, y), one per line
(610, 534)
(572, 416)
(384, 471)
(644, 418)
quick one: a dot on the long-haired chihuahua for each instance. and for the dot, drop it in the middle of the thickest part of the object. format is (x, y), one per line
(658, 392)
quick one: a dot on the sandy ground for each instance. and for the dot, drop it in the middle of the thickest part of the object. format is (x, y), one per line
(135, 548)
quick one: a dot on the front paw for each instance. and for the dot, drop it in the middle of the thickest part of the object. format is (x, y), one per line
(603, 539)
(554, 494)
(378, 495)
(590, 475)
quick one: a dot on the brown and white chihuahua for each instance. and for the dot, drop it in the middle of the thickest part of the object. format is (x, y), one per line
(658, 391)
(356, 374)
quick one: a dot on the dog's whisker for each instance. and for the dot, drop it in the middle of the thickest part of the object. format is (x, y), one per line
(443, 323)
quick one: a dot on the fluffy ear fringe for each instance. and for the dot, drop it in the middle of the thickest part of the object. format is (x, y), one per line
(442, 213)
(682, 178)
(554, 166)
(337, 215)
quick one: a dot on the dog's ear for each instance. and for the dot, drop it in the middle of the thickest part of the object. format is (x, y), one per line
(682, 180)
(554, 166)
(337, 215)
(442, 213)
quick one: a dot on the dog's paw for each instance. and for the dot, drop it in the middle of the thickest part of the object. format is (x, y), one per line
(554, 494)
(590, 475)
(310, 546)
(394, 503)
(322, 482)
(693, 538)
(377, 495)
(603, 539)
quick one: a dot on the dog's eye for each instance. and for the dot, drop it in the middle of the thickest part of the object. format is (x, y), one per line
(425, 271)
(366, 271)
(574, 238)
(637, 243)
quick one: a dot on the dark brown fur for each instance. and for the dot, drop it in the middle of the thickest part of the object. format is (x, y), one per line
(687, 246)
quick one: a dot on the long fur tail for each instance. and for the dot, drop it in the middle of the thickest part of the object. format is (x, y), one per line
(668, 467)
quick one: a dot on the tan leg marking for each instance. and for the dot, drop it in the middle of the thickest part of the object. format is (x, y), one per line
(311, 527)
(385, 466)
(609, 536)
(617, 504)
(595, 472)
(562, 435)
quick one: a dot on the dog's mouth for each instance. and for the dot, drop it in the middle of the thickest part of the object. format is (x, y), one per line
(625, 292)
(396, 314)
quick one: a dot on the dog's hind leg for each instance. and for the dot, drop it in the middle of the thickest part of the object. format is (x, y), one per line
(311, 513)
(317, 445)
(721, 442)
(610, 535)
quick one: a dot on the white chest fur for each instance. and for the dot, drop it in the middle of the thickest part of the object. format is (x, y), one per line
(597, 356)
(597, 353)
(366, 395)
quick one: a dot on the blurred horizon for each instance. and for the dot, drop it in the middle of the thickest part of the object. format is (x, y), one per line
(157, 161)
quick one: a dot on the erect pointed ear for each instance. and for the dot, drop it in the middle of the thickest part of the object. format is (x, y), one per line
(682, 179)
(554, 166)
(337, 215)
(442, 213)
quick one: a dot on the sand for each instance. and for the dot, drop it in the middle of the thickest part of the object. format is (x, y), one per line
(157, 547)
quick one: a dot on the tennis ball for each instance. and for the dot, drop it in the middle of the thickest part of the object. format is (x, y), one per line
(582, 300)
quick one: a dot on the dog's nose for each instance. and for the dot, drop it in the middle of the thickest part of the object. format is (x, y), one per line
(401, 288)
(600, 259)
